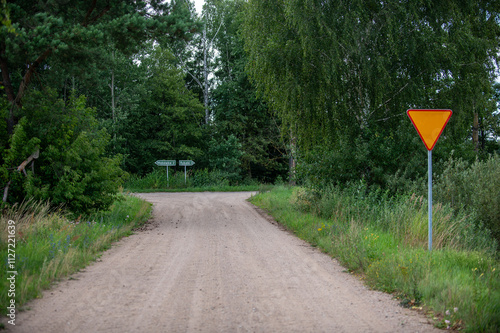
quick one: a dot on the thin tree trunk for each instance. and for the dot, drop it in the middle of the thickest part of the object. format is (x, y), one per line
(27, 77)
(21, 168)
(9, 90)
(6, 192)
(113, 102)
(205, 74)
(475, 132)
(292, 161)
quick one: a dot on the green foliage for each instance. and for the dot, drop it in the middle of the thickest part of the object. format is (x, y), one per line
(235, 106)
(339, 77)
(72, 168)
(383, 240)
(167, 122)
(50, 246)
(196, 180)
(83, 29)
(404, 217)
(474, 187)
(81, 44)
(373, 156)
(85, 47)
(225, 155)
(5, 17)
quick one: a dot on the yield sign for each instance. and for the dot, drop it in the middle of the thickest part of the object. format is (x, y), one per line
(429, 124)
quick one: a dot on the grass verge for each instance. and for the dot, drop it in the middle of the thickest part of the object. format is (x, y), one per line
(48, 245)
(383, 241)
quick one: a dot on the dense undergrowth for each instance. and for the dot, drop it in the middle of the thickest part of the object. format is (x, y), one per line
(384, 240)
(193, 181)
(49, 244)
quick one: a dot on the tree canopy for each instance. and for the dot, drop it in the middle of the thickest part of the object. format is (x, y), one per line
(78, 33)
(50, 53)
(342, 74)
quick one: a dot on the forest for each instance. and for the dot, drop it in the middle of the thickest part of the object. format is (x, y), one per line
(302, 91)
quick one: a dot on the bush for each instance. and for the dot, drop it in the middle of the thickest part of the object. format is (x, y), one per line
(205, 178)
(195, 179)
(474, 187)
(72, 168)
(225, 156)
(404, 217)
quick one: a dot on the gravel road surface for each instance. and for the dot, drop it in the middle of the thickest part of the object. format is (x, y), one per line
(210, 262)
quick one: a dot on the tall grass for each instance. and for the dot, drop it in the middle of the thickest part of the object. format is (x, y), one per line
(197, 180)
(50, 245)
(474, 188)
(384, 240)
(405, 217)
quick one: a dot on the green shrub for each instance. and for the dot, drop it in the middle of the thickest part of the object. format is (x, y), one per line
(196, 179)
(225, 156)
(72, 168)
(206, 178)
(404, 216)
(473, 187)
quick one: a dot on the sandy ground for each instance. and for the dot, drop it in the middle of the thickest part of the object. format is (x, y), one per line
(210, 262)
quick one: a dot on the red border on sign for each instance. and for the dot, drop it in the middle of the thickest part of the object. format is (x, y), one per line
(429, 110)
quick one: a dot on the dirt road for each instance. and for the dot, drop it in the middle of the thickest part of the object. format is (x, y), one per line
(211, 263)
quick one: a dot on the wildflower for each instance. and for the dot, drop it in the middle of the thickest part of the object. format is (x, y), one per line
(319, 229)
(455, 309)
(447, 312)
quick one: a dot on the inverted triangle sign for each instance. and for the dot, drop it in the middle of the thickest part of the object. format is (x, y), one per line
(429, 124)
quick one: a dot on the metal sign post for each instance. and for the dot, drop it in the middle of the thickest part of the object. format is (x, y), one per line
(429, 125)
(166, 163)
(429, 195)
(185, 163)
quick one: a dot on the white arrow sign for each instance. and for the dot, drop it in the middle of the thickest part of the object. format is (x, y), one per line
(186, 163)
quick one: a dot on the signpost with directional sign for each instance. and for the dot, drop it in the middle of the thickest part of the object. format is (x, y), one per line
(185, 163)
(429, 125)
(165, 163)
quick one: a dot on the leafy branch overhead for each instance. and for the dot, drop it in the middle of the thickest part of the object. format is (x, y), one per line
(79, 31)
(342, 74)
(46, 43)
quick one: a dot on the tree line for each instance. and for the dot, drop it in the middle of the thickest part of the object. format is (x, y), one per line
(341, 75)
(95, 90)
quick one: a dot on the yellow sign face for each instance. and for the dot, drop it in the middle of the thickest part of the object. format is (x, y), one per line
(429, 124)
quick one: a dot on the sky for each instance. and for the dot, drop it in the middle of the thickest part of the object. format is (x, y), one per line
(199, 5)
